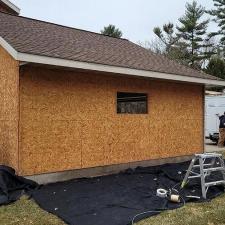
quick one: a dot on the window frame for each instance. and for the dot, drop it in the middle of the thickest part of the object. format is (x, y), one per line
(146, 95)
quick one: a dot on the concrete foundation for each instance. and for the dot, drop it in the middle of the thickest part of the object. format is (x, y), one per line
(101, 171)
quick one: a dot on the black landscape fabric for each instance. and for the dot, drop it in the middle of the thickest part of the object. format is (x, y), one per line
(12, 187)
(116, 199)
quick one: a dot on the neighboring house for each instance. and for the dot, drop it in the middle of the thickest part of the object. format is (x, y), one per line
(72, 99)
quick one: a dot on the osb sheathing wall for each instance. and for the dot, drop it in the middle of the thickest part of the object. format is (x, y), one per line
(68, 120)
(9, 114)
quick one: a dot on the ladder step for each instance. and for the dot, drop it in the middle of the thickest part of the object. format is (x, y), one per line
(197, 166)
(209, 155)
(193, 177)
(214, 169)
(215, 183)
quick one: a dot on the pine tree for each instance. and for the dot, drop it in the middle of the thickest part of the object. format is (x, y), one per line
(216, 67)
(219, 17)
(192, 32)
(172, 47)
(166, 35)
(112, 31)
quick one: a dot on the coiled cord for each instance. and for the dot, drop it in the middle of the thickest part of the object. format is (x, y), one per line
(157, 211)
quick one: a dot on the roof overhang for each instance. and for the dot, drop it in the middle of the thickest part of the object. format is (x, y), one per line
(44, 60)
(11, 6)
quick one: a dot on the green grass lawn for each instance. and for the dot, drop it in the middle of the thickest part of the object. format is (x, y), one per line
(26, 212)
(210, 213)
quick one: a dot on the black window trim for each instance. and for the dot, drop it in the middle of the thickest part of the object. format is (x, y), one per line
(141, 95)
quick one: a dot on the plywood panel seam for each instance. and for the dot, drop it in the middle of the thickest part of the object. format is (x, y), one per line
(19, 102)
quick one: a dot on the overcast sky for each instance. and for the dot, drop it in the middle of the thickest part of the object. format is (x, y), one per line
(136, 18)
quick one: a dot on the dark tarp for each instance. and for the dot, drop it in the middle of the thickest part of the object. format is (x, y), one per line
(12, 187)
(116, 199)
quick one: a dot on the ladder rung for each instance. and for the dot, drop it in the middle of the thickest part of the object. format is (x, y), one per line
(192, 177)
(208, 155)
(203, 165)
(214, 169)
(215, 183)
(194, 173)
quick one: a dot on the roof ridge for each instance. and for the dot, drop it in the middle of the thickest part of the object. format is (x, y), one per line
(60, 25)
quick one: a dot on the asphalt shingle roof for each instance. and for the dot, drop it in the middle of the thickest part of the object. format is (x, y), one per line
(46, 39)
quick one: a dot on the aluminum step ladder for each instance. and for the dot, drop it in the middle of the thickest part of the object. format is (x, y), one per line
(201, 166)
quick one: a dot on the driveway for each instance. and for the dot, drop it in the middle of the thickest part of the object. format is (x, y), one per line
(212, 147)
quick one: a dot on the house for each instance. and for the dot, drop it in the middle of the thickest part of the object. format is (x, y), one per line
(74, 100)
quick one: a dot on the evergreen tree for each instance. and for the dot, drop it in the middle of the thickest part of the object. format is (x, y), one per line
(167, 35)
(219, 17)
(216, 67)
(172, 47)
(112, 31)
(192, 33)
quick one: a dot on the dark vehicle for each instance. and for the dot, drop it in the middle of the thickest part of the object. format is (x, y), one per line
(214, 137)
